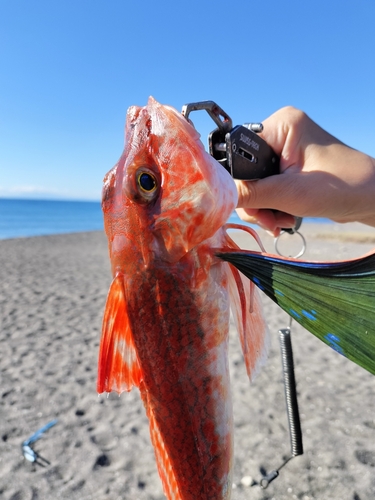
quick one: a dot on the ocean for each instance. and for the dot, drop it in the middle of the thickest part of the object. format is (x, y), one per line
(23, 218)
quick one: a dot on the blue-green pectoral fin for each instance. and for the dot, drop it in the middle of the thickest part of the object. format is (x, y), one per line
(334, 301)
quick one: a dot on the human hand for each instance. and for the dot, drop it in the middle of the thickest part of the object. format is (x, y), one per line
(320, 177)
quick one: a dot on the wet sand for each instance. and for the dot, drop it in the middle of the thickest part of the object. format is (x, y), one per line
(52, 295)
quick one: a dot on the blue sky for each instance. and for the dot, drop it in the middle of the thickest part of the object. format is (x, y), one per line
(70, 69)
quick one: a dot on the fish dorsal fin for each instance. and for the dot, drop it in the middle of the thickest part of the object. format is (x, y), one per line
(248, 316)
(163, 461)
(118, 368)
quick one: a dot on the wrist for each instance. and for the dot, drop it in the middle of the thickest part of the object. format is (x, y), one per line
(358, 198)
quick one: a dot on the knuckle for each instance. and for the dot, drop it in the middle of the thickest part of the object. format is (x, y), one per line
(295, 115)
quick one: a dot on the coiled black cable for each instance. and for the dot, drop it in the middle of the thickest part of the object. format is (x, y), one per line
(294, 422)
(291, 392)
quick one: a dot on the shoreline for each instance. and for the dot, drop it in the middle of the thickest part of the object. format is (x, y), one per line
(51, 234)
(350, 231)
(321, 228)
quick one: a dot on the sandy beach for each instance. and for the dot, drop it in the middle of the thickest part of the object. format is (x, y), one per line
(52, 296)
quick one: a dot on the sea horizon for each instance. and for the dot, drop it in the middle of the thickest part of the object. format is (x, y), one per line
(23, 217)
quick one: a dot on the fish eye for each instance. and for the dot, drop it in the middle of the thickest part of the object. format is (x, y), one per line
(147, 182)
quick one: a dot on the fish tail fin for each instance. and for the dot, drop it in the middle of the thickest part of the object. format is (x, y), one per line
(118, 367)
(163, 461)
(333, 300)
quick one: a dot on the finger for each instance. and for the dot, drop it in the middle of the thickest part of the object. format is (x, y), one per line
(285, 131)
(275, 192)
(260, 218)
(269, 220)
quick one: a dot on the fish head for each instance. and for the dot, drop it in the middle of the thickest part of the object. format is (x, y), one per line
(166, 194)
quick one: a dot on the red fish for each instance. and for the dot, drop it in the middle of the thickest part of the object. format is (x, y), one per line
(166, 321)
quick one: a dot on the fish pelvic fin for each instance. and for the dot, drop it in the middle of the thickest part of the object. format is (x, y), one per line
(248, 316)
(118, 367)
(165, 469)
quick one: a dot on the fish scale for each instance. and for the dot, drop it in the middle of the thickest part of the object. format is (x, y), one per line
(179, 388)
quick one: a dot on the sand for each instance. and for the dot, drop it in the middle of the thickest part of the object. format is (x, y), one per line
(52, 295)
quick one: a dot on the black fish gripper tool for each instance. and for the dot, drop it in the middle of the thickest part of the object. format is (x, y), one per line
(239, 149)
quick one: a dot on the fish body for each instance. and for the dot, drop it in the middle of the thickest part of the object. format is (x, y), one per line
(166, 322)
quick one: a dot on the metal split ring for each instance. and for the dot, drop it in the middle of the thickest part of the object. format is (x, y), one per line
(300, 253)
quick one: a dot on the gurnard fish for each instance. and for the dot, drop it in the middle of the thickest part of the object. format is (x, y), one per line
(166, 320)
(175, 276)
